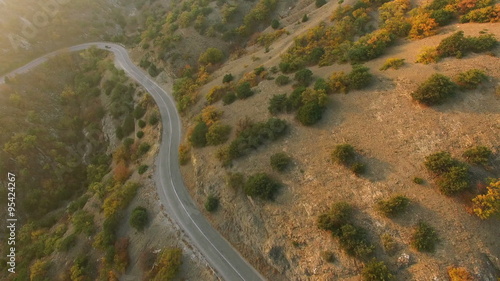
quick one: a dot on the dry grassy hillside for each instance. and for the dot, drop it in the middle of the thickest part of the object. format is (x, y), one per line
(392, 135)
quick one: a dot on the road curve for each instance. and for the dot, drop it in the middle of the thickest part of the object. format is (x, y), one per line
(228, 263)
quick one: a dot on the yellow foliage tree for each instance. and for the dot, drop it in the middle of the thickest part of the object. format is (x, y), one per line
(459, 274)
(487, 205)
(38, 271)
(210, 115)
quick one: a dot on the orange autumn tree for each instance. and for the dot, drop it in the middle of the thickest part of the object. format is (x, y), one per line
(121, 172)
(422, 25)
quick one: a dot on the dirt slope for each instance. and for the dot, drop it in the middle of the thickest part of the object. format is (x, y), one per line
(393, 134)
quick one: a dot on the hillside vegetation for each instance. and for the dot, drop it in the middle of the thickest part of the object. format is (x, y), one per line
(71, 138)
(350, 75)
(326, 140)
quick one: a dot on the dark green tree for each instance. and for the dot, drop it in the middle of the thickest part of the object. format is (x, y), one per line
(139, 218)
(262, 186)
(280, 161)
(434, 90)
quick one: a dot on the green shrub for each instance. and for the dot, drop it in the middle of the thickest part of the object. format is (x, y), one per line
(139, 218)
(259, 70)
(418, 180)
(343, 154)
(282, 80)
(262, 186)
(454, 181)
(211, 56)
(154, 119)
(478, 155)
(229, 98)
(310, 113)
(288, 67)
(376, 271)
(439, 162)
(212, 203)
(251, 137)
(315, 56)
(457, 45)
(320, 3)
(338, 215)
(277, 104)
(303, 77)
(244, 90)
(443, 16)
(305, 18)
(227, 78)
(139, 111)
(218, 134)
(434, 90)
(198, 137)
(359, 77)
(328, 256)
(453, 45)
(354, 241)
(453, 176)
(370, 46)
(482, 43)
(141, 123)
(294, 101)
(470, 79)
(153, 71)
(424, 238)
(393, 63)
(321, 84)
(280, 161)
(142, 169)
(83, 222)
(275, 24)
(140, 134)
(144, 148)
(66, 243)
(393, 206)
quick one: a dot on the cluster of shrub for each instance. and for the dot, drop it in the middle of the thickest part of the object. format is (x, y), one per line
(445, 11)
(258, 185)
(209, 130)
(310, 103)
(458, 45)
(438, 88)
(325, 45)
(259, 15)
(251, 137)
(452, 175)
(230, 92)
(345, 154)
(352, 239)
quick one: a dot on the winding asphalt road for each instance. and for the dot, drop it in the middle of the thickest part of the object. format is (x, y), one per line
(228, 263)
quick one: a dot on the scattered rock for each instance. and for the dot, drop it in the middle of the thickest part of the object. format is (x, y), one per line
(403, 260)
